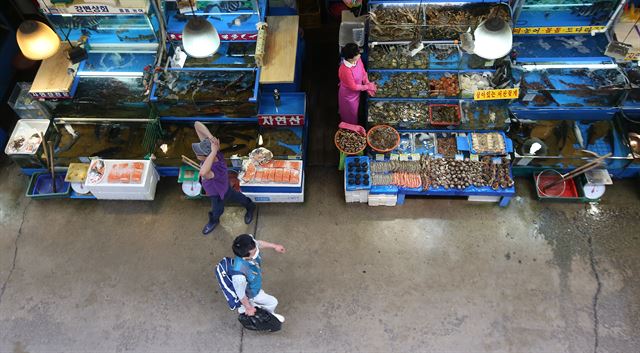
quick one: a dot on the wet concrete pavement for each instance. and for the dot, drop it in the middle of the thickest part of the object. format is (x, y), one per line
(434, 275)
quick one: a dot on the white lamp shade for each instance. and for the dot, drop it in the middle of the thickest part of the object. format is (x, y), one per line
(199, 38)
(36, 40)
(493, 39)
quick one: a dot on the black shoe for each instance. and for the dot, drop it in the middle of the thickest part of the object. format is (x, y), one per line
(248, 217)
(209, 227)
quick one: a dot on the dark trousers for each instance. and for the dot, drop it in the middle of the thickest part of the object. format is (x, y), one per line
(217, 204)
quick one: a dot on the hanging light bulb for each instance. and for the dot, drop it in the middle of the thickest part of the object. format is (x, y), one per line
(493, 39)
(36, 40)
(200, 38)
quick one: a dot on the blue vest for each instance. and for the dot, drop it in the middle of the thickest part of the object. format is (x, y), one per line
(252, 272)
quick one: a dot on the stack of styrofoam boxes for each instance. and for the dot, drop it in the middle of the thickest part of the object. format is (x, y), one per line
(356, 192)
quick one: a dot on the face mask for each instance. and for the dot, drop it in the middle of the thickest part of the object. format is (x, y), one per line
(255, 256)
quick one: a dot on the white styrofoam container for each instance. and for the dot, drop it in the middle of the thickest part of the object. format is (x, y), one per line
(145, 190)
(383, 199)
(264, 197)
(484, 198)
(361, 196)
(25, 128)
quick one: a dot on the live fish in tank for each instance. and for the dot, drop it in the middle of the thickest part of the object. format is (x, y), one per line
(238, 21)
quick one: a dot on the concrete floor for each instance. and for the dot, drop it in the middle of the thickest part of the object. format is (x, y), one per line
(435, 275)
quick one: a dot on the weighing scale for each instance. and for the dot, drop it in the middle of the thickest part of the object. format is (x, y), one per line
(595, 183)
(189, 177)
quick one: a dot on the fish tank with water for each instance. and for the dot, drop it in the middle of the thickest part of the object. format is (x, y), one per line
(565, 13)
(569, 88)
(227, 16)
(567, 144)
(105, 97)
(431, 21)
(224, 92)
(175, 139)
(74, 141)
(108, 31)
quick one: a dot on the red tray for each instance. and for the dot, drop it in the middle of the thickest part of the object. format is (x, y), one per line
(570, 189)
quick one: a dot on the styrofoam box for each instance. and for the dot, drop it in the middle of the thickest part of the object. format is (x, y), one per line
(357, 196)
(145, 190)
(383, 199)
(265, 197)
(26, 128)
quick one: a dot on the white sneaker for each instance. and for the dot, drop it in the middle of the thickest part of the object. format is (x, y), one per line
(279, 317)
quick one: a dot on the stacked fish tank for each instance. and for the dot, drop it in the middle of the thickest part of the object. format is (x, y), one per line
(570, 91)
(109, 113)
(429, 96)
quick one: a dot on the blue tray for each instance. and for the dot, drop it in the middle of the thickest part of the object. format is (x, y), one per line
(352, 187)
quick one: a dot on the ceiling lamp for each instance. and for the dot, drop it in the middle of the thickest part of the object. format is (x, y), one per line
(493, 39)
(36, 40)
(199, 38)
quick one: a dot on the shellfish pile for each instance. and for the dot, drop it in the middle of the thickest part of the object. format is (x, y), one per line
(396, 57)
(444, 114)
(447, 86)
(431, 22)
(433, 173)
(350, 141)
(488, 142)
(406, 115)
(401, 84)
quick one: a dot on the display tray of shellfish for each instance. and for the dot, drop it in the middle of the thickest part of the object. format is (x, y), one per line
(415, 115)
(487, 115)
(433, 21)
(444, 176)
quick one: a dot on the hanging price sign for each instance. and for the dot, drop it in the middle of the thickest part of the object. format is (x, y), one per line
(495, 94)
(557, 30)
(632, 56)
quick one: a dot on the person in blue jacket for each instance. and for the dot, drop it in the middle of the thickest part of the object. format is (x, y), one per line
(247, 278)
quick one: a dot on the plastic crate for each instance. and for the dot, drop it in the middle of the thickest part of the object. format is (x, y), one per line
(40, 186)
(440, 123)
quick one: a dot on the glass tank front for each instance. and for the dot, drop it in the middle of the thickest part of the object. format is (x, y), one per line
(283, 142)
(567, 144)
(569, 87)
(108, 30)
(193, 93)
(565, 13)
(227, 16)
(106, 97)
(229, 55)
(401, 21)
(176, 139)
(114, 140)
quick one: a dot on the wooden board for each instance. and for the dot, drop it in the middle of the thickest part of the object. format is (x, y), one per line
(280, 52)
(52, 75)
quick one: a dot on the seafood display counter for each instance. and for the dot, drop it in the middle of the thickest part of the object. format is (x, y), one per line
(430, 98)
(121, 179)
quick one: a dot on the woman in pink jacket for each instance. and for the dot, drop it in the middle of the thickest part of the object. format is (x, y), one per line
(353, 80)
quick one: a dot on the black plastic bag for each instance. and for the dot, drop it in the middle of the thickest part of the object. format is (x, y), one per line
(261, 321)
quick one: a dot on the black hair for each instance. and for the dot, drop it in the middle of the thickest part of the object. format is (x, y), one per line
(243, 244)
(350, 50)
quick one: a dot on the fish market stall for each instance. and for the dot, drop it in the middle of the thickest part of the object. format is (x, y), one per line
(226, 92)
(571, 90)
(436, 106)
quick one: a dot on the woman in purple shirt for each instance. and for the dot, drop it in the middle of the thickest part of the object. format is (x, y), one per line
(215, 180)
